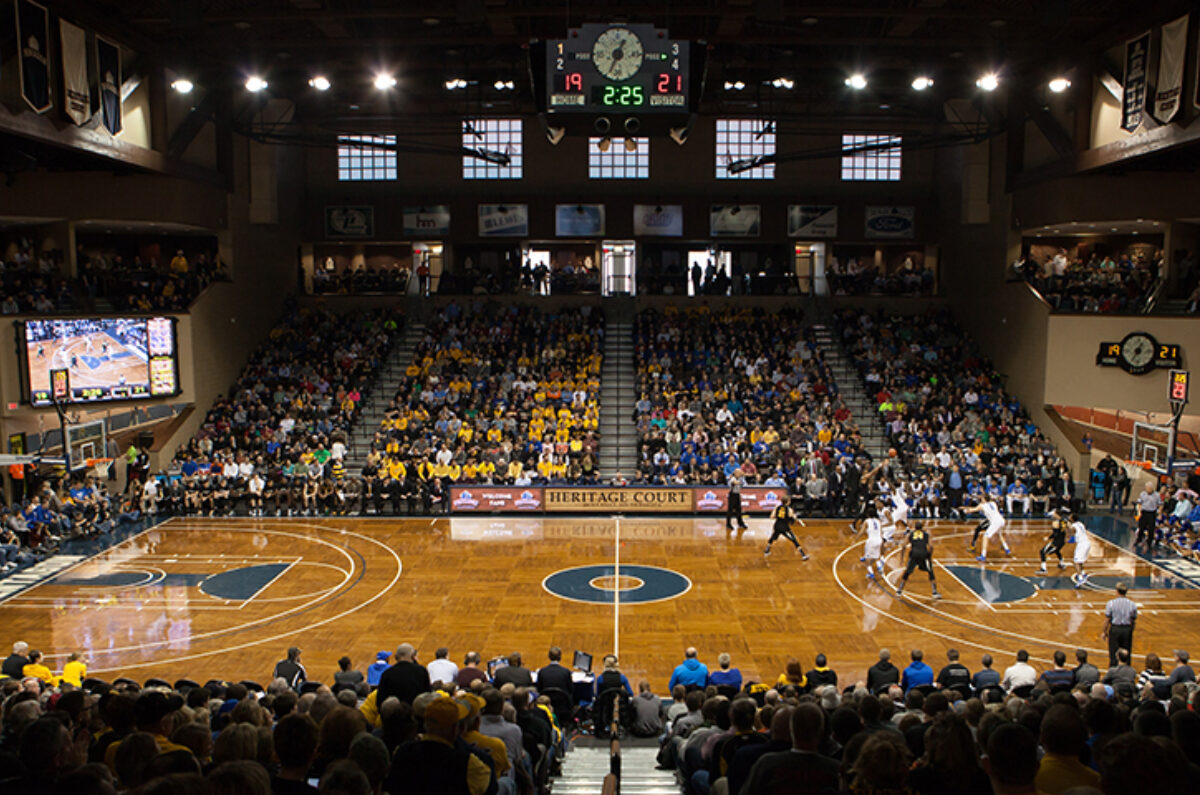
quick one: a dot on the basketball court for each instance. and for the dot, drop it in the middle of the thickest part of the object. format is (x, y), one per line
(207, 598)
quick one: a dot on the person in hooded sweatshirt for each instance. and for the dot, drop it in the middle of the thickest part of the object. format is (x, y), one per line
(689, 673)
(648, 712)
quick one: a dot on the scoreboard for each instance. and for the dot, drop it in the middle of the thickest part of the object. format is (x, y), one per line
(622, 69)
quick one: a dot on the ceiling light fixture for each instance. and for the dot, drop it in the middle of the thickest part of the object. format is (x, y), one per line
(784, 83)
(320, 82)
(857, 81)
(988, 82)
(736, 85)
(455, 83)
(254, 84)
(1059, 85)
(183, 85)
(384, 81)
(921, 82)
(603, 144)
(504, 85)
(631, 144)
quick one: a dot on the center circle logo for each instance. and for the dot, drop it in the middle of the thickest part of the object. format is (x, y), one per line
(631, 584)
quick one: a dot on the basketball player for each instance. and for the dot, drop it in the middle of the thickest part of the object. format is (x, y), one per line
(733, 508)
(1083, 545)
(1055, 541)
(920, 556)
(992, 525)
(783, 528)
(873, 551)
(899, 503)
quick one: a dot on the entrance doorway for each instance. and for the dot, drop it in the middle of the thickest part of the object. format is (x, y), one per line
(618, 267)
(809, 268)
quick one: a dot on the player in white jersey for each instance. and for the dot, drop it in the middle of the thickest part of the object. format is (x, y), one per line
(1083, 545)
(992, 525)
(873, 551)
(899, 504)
(887, 522)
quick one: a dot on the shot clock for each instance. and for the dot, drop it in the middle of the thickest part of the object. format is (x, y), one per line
(617, 68)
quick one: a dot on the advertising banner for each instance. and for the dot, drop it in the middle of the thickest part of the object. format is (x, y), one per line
(1133, 103)
(578, 220)
(75, 72)
(658, 220)
(475, 499)
(812, 220)
(632, 499)
(1171, 53)
(504, 220)
(432, 221)
(350, 221)
(734, 220)
(755, 499)
(890, 222)
(33, 44)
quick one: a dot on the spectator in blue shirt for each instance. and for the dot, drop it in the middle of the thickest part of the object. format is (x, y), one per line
(691, 672)
(918, 673)
(376, 669)
(726, 675)
(986, 676)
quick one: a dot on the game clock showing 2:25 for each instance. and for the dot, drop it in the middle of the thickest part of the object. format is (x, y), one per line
(617, 67)
(1139, 353)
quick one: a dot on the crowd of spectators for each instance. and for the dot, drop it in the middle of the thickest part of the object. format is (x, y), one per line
(953, 430)
(394, 279)
(858, 277)
(281, 430)
(740, 389)
(497, 395)
(34, 282)
(1103, 284)
(501, 727)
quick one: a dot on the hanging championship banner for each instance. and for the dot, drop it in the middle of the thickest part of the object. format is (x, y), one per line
(33, 37)
(1133, 104)
(108, 66)
(1171, 53)
(75, 74)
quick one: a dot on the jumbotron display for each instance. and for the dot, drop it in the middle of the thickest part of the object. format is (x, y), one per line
(601, 68)
(106, 359)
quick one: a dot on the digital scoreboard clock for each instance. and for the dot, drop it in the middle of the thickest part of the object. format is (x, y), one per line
(618, 69)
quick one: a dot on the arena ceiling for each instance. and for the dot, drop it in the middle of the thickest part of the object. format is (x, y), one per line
(816, 45)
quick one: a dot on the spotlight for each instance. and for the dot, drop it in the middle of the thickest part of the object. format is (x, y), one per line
(254, 84)
(921, 82)
(183, 85)
(384, 81)
(857, 81)
(504, 85)
(455, 83)
(604, 143)
(736, 85)
(1059, 85)
(784, 83)
(989, 82)
(320, 82)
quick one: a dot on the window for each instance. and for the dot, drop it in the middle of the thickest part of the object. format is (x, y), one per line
(745, 140)
(870, 158)
(363, 157)
(617, 161)
(502, 136)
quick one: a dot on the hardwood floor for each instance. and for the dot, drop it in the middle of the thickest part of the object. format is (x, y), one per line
(224, 598)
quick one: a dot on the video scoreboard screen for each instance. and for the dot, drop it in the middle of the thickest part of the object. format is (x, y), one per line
(624, 68)
(95, 360)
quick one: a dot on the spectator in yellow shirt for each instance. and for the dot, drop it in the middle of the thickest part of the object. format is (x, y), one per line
(35, 669)
(179, 263)
(75, 671)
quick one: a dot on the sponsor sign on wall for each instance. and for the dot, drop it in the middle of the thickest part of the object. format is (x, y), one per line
(469, 499)
(658, 220)
(632, 499)
(812, 220)
(890, 222)
(350, 221)
(504, 220)
(578, 220)
(734, 220)
(432, 221)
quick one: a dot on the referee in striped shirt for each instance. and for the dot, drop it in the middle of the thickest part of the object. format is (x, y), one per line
(1120, 615)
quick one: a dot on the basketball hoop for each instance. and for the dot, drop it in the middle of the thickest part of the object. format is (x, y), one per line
(99, 466)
